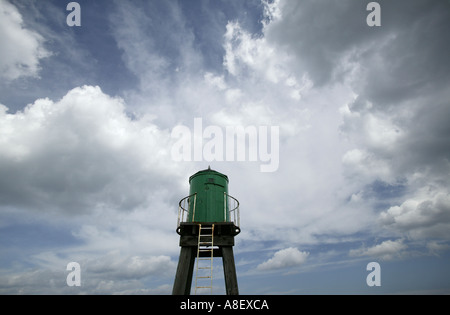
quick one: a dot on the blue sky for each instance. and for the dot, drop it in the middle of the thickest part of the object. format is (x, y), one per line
(88, 172)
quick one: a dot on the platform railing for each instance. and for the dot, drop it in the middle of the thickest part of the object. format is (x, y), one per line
(183, 208)
(233, 206)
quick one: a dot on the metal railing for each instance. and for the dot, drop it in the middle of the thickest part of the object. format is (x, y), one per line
(183, 208)
(233, 206)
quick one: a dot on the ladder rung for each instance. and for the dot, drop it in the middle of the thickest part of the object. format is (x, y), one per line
(204, 277)
(203, 287)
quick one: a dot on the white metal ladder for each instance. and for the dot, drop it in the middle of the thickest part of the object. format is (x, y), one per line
(205, 254)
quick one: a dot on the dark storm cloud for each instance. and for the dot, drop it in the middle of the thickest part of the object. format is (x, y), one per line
(406, 55)
(415, 60)
(399, 118)
(319, 33)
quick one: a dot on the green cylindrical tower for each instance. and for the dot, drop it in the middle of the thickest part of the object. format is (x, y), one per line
(209, 197)
(208, 221)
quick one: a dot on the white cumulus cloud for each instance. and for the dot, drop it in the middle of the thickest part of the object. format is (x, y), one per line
(426, 215)
(285, 258)
(21, 49)
(80, 153)
(387, 250)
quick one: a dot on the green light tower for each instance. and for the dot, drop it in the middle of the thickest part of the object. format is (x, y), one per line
(208, 221)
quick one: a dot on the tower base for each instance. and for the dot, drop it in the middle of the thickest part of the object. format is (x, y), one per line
(224, 233)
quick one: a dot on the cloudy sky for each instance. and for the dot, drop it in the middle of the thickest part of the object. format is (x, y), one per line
(87, 167)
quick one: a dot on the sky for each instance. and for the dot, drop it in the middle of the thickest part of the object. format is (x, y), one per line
(354, 167)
